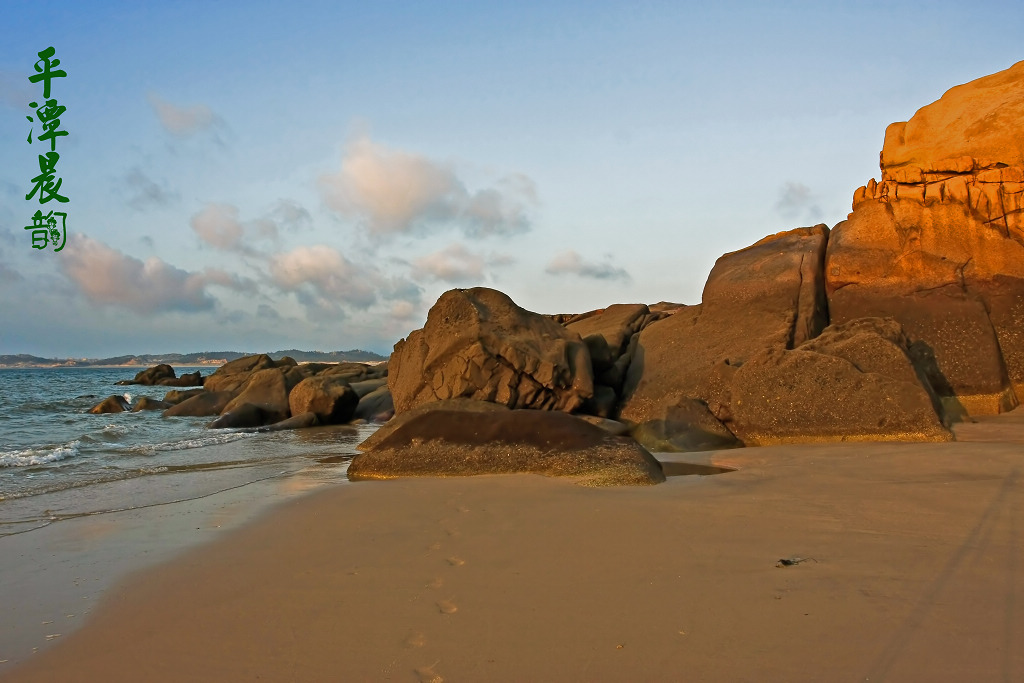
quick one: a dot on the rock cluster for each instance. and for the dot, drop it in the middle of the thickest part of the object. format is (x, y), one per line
(900, 320)
(257, 391)
(163, 375)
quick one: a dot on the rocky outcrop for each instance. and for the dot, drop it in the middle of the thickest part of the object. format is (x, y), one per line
(329, 397)
(855, 382)
(111, 404)
(938, 243)
(478, 344)
(231, 376)
(448, 439)
(769, 295)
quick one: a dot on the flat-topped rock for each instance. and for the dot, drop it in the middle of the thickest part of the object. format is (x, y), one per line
(452, 439)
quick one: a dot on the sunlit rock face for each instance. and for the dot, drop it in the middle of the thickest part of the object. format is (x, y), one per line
(938, 244)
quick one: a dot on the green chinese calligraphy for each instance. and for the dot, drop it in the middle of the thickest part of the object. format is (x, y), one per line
(44, 230)
(44, 182)
(46, 186)
(44, 73)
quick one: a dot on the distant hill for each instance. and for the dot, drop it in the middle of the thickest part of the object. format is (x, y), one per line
(24, 360)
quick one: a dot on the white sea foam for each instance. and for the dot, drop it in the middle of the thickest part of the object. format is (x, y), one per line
(38, 456)
(195, 442)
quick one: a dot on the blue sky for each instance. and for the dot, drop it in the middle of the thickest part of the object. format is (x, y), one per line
(268, 175)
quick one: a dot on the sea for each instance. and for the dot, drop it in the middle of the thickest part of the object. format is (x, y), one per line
(59, 462)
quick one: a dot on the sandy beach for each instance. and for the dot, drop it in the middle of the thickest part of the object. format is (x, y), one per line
(911, 572)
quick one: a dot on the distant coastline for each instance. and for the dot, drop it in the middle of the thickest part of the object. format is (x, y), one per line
(204, 358)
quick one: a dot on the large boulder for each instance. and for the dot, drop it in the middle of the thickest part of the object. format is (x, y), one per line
(769, 295)
(330, 398)
(938, 244)
(269, 390)
(478, 344)
(203, 404)
(856, 382)
(450, 439)
(111, 404)
(232, 375)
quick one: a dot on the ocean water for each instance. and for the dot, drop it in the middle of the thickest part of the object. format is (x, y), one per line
(58, 462)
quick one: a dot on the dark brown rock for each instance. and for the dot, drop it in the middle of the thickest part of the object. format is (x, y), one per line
(151, 376)
(111, 404)
(366, 386)
(203, 404)
(330, 398)
(478, 344)
(300, 421)
(232, 375)
(450, 440)
(269, 390)
(174, 397)
(376, 406)
(687, 425)
(856, 382)
(190, 379)
(356, 372)
(245, 415)
(147, 403)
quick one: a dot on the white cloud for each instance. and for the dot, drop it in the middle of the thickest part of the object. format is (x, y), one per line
(183, 121)
(323, 279)
(454, 264)
(393, 191)
(218, 226)
(571, 263)
(105, 275)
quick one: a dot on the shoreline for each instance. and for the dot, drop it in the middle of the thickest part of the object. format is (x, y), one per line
(912, 561)
(56, 574)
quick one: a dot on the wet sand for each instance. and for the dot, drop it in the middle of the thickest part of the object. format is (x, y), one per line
(912, 572)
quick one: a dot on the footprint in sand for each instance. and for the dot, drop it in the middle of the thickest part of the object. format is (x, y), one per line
(415, 640)
(436, 583)
(447, 607)
(427, 674)
(456, 561)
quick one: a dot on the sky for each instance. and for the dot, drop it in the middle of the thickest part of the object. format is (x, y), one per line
(263, 175)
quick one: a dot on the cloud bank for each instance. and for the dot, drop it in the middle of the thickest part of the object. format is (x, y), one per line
(105, 275)
(391, 191)
(322, 278)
